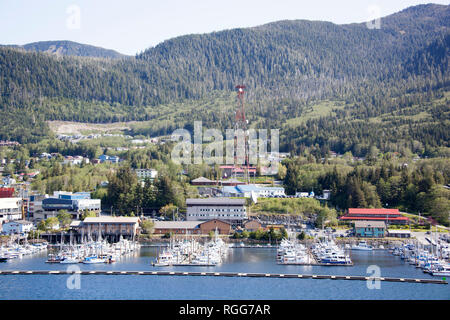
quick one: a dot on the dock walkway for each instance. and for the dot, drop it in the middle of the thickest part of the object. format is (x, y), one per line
(223, 274)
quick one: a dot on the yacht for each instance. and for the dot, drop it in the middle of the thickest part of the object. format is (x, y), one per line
(69, 260)
(362, 245)
(441, 270)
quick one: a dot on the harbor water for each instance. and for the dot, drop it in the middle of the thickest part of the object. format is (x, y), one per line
(245, 260)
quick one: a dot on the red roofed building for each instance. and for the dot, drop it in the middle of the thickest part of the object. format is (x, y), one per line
(386, 215)
(6, 192)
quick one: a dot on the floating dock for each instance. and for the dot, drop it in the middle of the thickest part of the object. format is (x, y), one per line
(225, 274)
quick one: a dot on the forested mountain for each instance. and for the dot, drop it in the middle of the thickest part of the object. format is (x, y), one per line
(334, 86)
(70, 48)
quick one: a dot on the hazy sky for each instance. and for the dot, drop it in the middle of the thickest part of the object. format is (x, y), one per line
(131, 26)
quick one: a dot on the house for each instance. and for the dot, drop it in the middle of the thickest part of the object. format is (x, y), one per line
(386, 215)
(370, 229)
(202, 181)
(17, 227)
(232, 210)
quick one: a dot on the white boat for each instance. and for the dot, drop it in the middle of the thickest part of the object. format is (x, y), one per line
(92, 260)
(69, 260)
(362, 245)
(441, 270)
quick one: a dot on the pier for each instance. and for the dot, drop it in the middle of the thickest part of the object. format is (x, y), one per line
(224, 274)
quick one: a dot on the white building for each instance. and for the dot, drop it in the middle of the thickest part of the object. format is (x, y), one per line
(10, 209)
(17, 227)
(143, 174)
(232, 210)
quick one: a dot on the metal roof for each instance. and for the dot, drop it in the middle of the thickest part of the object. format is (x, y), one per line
(177, 224)
(373, 211)
(111, 220)
(373, 224)
(216, 201)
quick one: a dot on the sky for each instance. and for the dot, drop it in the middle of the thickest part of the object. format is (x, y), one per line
(132, 26)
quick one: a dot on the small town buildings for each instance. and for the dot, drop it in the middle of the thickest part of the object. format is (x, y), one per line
(386, 215)
(143, 174)
(10, 209)
(232, 210)
(370, 229)
(192, 227)
(17, 227)
(75, 203)
(399, 233)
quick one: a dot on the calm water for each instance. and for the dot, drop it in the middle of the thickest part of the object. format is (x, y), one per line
(239, 260)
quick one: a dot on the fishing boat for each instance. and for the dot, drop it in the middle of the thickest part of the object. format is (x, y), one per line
(362, 245)
(3, 259)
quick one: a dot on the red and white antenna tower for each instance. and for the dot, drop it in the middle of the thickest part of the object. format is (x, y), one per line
(241, 123)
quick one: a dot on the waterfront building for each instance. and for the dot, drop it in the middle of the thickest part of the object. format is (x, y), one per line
(192, 227)
(232, 210)
(111, 227)
(386, 215)
(17, 227)
(370, 229)
(10, 209)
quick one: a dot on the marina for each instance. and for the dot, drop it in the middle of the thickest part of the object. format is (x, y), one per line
(246, 273)
(193, 253)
